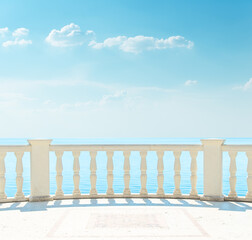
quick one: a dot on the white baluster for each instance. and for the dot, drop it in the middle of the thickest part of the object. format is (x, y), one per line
(59, 177)
(19, 179)
(76, 177)
(249, 179)
(143, 168)
(126, 168)
(110, 190)
(232, 170)
(93, 177)
(2, 176)
(193, 155)
(160, 177)
(177, 177)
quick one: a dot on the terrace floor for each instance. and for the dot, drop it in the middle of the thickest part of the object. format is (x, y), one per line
(126, 219)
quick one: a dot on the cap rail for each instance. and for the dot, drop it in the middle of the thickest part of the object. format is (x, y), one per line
(127, 147)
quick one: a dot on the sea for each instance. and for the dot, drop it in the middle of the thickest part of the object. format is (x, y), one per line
(118, 161)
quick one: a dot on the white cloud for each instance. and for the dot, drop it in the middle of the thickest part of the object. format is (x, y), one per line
(20, 32)
(138, 44)
(109, 42)
(90, 32)
(68, 36)
(20, 42)
(130, 97)
(245, 87)
(190, 83)
(3, 31)
(248, 85)
(152, 89)
(113, 97)
(16, 38)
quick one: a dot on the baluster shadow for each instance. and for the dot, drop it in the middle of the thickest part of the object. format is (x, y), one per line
(115, 202)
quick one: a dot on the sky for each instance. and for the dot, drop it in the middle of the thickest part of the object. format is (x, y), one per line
(115, 69)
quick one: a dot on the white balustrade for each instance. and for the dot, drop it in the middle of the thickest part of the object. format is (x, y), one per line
(126, 191)
(143, 168)
(40, 181)
(76, 176)
(177, 191)
(232, 170)
(193, 155)
(59, 178)
(249, 179)
(93, 177)
(110, 191)
(160, 169)
(2, 176)
(19, 179)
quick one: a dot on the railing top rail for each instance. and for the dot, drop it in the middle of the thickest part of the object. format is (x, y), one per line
(15, 148)
(237, 147)
(127, 147)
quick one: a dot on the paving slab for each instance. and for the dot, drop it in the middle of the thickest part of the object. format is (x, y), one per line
(126, 219)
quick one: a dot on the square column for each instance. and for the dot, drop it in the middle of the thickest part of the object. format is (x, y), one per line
(40, 173)
(212, 169)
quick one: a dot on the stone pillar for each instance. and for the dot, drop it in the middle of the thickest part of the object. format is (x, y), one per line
(212, 169)
(40, 180)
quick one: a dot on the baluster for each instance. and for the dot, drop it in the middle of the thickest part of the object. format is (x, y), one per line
(2, 176)
(177, 177)
(232, 170)
(93, 177)
(193, 155)
(249, 179)
(126, 168)
(160, 177)
(59, 177)
(143, 168)
(110, 190)
(76, 177)
(19, 178)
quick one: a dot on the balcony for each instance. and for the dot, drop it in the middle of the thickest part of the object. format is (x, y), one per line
(212, 174)
(129, 208)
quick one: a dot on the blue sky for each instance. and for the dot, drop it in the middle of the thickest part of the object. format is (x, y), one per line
(126, 68)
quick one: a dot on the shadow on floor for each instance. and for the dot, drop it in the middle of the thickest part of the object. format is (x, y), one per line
(141, 202)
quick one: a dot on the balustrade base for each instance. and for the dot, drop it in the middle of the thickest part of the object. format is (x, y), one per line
(40, 198)
(193, 195)
(20, 196)
(212, 198)
(228, 198)
(3, 196)
(232, 196)
(238, 199)
(160, 192)
(76, 194)
(93, 193)
(249, 196)
(13, 199)
(110, 193)
(126, 192)
(143, 193)
(59, 193)
(133, 195)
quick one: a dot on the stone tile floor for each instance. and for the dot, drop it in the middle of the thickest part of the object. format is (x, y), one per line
(126, 219)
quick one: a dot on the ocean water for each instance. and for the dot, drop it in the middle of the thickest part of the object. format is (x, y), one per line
(118, 160)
